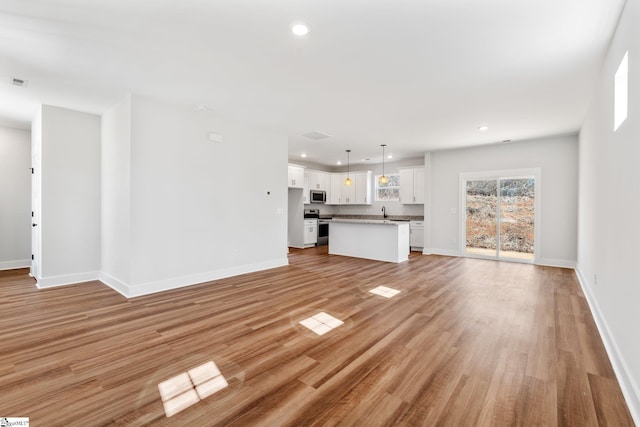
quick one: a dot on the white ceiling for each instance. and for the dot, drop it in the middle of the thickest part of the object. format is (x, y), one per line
(416, 75)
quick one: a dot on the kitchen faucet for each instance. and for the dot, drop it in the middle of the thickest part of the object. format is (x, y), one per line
(384, 212)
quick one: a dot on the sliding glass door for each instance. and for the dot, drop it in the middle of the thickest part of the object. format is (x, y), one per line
(500, 217)
(482, 208)
(517, 218)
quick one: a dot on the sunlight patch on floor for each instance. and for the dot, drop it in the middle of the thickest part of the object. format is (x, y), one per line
(321, 323)
(188, 388)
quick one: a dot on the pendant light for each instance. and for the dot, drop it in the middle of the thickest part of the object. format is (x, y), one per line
(383, 178)
(347, 180)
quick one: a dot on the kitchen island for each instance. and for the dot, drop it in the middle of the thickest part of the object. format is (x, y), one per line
(380, 240)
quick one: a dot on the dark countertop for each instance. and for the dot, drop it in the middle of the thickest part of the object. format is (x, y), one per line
(389, 217)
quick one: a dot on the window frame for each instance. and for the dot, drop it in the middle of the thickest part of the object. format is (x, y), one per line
(621, 93)
(377, 187)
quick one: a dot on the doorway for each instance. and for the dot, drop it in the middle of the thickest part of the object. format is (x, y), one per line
(500, 215)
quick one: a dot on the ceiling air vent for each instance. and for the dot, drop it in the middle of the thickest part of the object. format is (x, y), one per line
(316, 135)
(18, 82)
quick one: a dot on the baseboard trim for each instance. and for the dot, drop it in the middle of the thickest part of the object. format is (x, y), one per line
(66, 279)
(630, 389)
(12, 265)
(549, 262)
(132, 291)
(115, 284)
(542, 261)
(445, 252)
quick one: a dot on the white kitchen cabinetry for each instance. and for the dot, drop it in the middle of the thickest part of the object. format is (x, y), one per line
(296, 176)
(336, 183)
(310, 232)
(316, 180)
(319, 180)
(305, 190)
(412, 186)
(362, 183)
(358, 193)
(416, 240)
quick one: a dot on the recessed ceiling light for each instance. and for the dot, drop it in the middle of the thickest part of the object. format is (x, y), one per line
(299, 28)
(303, 155)
(483, 128)
(338, 162)
(389, 156)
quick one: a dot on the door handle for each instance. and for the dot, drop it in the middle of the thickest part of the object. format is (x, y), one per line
(34, 224)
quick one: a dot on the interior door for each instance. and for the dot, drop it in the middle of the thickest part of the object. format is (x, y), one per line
(35, 212)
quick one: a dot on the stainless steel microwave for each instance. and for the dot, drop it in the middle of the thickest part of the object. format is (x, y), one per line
(318, 196)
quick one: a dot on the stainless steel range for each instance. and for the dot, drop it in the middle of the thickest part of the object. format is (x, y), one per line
(323, 231)
(323, 225)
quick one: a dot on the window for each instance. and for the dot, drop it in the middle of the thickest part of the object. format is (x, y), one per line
(388, 191)
(621, 85)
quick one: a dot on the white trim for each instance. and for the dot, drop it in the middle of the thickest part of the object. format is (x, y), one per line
(132, 291)
(115, 284)
(66, 279)
(630, 389)
(445, 252)
(550, 262)
(12, 265)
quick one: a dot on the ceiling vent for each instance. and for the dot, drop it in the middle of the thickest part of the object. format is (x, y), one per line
(18, 82)
(316, 135)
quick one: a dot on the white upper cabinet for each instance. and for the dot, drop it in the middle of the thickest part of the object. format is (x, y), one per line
(412, 186)
(336, 183)
(363, 192)
(358, 193)
(316, 180)
(296, 176)
(319, 180)
(306, 196)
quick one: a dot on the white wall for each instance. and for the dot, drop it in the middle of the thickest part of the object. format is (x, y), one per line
(69, 223)
(558, 159)
(116, 193)
(15, 198)
(193, 214)
(608, 231)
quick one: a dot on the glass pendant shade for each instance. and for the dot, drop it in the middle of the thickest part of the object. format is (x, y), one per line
(383, 178)
(348, 182)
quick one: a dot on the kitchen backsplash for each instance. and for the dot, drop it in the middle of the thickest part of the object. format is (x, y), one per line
(393, 208)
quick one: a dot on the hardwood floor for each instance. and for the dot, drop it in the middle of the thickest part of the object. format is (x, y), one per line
(466, 342)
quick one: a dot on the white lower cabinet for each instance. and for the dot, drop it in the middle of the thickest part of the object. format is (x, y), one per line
(310, 232)
(416, 238)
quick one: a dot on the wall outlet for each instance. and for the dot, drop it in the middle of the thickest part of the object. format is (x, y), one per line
(595, 279)
(453, 210)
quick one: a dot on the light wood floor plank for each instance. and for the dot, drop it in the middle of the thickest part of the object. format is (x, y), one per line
(465, 342)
